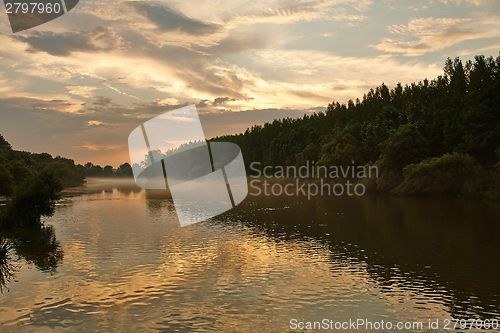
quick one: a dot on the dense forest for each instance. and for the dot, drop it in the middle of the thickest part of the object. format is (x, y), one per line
(438, 137)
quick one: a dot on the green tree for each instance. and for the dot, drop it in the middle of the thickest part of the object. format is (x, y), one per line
(34, 198)
(310, 153)
(107, 171)
(124, 170)
(4, 145)
(67, 175)
(455, 175)
(7, 183)
(19, 170)
(342, 150)
(404, 146)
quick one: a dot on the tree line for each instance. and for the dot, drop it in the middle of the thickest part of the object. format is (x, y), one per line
(17, 167)
(91, 170)
(33, 183)
(439, 137)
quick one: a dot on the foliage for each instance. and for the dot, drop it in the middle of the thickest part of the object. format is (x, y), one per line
(19, 170)
(91, 170)
(18, 166)
(497, 166)
(7, 183)
(342, 150)
(458, 111)
(34, 198)
(456, 175)
(65, 173)
(4, 145)
(7, 268)
(404, 146)
(124, 170)
(310, 153)
(33, 182)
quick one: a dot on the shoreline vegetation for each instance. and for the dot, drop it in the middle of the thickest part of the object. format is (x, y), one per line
(433, 138)
(91, 170)
(32, 183)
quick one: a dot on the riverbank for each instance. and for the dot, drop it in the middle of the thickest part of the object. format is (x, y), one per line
(486, 188)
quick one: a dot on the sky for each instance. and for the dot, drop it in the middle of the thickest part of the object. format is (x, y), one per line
(78, 85)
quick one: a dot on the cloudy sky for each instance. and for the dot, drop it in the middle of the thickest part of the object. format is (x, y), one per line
(78, 85)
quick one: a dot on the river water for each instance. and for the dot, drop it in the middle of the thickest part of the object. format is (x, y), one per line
(113, 258)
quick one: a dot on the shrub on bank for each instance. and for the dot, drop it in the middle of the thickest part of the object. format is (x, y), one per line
(451, 175)
(34, 198)
(67, 175)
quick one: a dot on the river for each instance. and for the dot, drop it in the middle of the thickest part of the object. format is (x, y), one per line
(113, 258)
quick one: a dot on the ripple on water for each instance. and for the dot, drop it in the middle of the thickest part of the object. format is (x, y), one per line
(127, 266)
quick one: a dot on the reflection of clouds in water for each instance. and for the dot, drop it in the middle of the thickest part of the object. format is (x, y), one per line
(339, 258)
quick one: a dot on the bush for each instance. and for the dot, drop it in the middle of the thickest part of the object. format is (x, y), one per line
(451, 175)
(388, 181)
(34, 198)
(6, 181)
(19, 170)
(403, 147)
(310, 153)
(124, 170)
(342, 150)
(65, 173)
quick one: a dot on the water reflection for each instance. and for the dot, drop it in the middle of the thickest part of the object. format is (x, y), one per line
(7, 265)
(445, 247)
(107, 185)
(155, 199)
(128, 265)
(428, 246)
(37, 246)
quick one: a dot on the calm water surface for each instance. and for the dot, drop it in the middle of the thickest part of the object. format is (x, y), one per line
(116, 260)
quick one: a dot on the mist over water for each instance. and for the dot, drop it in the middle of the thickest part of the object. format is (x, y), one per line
(127, 265)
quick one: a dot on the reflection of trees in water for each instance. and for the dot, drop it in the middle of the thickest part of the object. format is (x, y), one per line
(159, 200)
(441, 247)
(128, 190)
(7, 266)
(37, 246)
(106, 185)
(40, 247)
